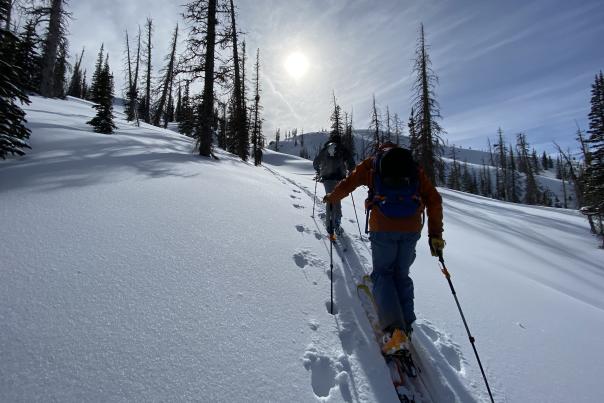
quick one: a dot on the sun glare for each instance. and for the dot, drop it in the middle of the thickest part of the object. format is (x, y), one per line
(296, 65)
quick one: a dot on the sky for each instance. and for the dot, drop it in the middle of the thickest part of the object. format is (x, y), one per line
(524, 66)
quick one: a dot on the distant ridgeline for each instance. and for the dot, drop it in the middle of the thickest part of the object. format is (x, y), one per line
(523, 177)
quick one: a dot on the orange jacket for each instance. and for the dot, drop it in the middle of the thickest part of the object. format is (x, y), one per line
(378, 222)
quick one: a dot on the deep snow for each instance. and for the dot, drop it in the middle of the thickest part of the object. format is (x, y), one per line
(131, 269)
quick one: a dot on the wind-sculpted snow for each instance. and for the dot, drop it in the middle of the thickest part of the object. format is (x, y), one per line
(132, 269)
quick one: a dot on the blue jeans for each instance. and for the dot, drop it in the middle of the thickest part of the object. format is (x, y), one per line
(393, 253)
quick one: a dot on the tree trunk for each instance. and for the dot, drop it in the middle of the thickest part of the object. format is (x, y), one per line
(167, 82)
(239, 113)
(50, 49)
(147, 117)
(206, 109)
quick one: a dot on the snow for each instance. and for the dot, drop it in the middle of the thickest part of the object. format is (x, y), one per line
(474, 159)
(132, 269)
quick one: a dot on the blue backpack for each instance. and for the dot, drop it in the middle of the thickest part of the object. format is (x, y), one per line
(395, 189)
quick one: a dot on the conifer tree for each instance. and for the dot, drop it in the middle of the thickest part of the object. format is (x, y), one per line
(388, 134)
(531, 190)
(535, 162)
(257, 120)
(398, 128)
(427, 110)
(467, 181)
(200, 61)
(594, 159)
(454, 178)
(514, 178)
(146, 107)
(75, 84)
(178, 109)
(544, 162)
(28, 57)
(347, 138)
(167, 78)
(84, 86)
(95, 86)
(222, 127)
(13, 132)
(132, 105)
(103, 121)
(375, 126)
(502, 182)
(413, 140)
(186, 124)
(337, 124)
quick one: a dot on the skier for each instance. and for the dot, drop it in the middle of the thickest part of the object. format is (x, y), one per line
(332, 164)
(399, 191)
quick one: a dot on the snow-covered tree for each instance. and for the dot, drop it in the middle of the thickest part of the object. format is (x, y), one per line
(13, 133)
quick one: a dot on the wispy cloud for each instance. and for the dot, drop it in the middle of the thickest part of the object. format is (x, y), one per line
(519, 65)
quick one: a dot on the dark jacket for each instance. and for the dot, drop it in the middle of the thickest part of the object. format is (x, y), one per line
(336, 167)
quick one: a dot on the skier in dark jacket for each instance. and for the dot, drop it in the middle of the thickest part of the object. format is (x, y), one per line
(332, 164)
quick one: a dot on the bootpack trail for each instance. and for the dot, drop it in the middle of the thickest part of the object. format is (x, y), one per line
(352, 262)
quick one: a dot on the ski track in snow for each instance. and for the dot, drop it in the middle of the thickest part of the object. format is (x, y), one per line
(108, 291)
(433, 349)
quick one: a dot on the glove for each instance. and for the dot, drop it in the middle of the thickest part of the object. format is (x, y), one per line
(437, 244)
(326, 198)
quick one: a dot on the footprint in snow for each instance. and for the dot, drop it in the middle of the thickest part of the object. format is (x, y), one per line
(447, 348)
(452, 355)
(294, 197)
(297, 206)
(304, 230)
(296, 191)
(313, 324)
(328, 306)
(323, 372)
(304, 257)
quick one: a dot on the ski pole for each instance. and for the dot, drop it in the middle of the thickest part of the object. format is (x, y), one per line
(472, 340)
(331, 241)
(314, 199)
(356, 216)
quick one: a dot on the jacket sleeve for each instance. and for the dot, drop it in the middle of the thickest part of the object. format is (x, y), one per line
(358, 177)
(349, 160)
(434, 204)
(316, 164)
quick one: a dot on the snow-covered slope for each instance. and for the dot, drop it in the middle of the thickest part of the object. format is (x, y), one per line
(474, 158)
(131, 269)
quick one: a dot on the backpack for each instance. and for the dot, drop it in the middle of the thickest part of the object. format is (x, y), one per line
(333, 166)
(395, 189)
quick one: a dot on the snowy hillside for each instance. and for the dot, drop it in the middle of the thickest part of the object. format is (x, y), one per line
(131, 269)
(474, 158)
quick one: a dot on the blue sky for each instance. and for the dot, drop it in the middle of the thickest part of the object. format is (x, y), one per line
(519, 65)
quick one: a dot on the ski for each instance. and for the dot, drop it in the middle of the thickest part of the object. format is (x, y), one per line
(401, 366)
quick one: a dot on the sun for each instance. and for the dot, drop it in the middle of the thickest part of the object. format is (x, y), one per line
(296, 64)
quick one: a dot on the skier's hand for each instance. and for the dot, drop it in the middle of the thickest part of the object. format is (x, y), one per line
(326, 198)
(437, 244)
